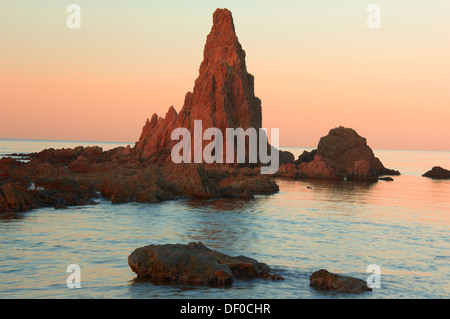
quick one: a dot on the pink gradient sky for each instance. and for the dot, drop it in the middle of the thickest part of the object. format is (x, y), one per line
(316, 66)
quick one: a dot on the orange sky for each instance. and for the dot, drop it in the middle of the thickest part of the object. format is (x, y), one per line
(316, 66)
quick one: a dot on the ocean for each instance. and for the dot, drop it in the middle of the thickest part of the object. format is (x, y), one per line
(402, 226)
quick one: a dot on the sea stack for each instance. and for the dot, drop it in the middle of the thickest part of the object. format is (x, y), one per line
(351, 156)
(223, 95)
(342, 154)
(438, 172)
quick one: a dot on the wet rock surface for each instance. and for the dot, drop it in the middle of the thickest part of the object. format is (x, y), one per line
(194, 264)
(326, 281)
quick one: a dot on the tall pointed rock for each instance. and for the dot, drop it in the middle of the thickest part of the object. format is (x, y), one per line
(223, 94)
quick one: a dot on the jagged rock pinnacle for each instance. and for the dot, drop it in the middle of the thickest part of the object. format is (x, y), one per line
(223, 94)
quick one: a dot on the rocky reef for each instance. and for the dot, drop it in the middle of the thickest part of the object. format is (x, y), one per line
(72, 177)
(194, 264)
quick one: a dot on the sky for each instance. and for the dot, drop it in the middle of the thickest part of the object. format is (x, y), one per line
(316, 64)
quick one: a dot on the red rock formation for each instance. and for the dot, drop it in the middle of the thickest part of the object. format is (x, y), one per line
(351, 156)
(223, 94)
(15, 198)
(319, 168)
(46, 192)
(45, 181)
(341, 154)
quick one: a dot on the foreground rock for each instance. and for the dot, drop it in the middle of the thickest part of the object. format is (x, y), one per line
(195, 264)
(342, 154)
(437, 172)
(326, 281)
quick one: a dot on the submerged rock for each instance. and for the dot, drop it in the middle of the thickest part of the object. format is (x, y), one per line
(437, 172)
(195, 264)
(326, 281)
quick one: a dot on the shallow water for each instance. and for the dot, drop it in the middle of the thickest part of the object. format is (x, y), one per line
(402, 226)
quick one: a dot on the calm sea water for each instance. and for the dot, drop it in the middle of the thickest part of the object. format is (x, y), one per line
(402, 226)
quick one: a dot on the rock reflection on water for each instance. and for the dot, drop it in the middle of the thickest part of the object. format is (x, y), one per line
(222, 223)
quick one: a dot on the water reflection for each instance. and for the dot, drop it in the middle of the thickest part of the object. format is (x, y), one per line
(7, 217)
(326, 196)
(222, 204)
(221, 223)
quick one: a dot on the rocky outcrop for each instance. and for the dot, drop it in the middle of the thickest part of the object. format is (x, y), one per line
(121, 177)
(223, 95)
(288, 171)
(194, 264)
(67, 155)
(143, 185)
(342, 154)
(326, 281)
(15, 198)
(320, 167)
(240, 185)
(437, 172)
(191, 180)
(286, 157)
(306, 157)
(45, 192)
(351, 155)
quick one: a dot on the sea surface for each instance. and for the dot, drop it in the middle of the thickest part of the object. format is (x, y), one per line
(402, 226)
